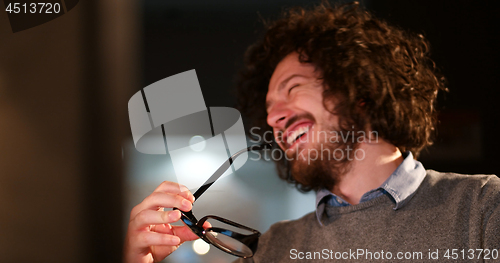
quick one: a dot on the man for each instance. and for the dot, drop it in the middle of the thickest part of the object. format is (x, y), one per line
(351, 102)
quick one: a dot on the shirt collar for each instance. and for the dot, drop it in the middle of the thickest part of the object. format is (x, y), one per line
(401, 186)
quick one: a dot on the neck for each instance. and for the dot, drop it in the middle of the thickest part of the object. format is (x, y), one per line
(381, 159)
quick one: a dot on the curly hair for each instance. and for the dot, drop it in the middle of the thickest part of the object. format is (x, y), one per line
(380, 76)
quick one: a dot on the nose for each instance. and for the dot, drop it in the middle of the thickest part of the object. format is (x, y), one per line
(278, 116)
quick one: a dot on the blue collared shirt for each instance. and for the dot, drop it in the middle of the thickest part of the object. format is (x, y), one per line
(400, 186)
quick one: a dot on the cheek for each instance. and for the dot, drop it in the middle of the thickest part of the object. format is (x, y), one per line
(313, 105)
(305, 100)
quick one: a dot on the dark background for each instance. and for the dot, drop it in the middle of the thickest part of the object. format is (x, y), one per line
(464, 44)
(64, 87)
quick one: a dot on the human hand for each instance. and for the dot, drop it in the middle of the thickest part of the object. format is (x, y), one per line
(150, 237)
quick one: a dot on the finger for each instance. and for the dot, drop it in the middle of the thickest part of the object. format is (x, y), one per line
(160, 199)
(149, 217)
(207, 225)
(184, 233)
(161, 252)
(148, 238)
(172, 187)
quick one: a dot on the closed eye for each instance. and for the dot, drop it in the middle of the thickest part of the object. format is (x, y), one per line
(291, 88)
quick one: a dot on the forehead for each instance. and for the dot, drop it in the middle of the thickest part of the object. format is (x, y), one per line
(289, 68)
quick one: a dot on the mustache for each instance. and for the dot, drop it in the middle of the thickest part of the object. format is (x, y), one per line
(307, 116)
(279, 134)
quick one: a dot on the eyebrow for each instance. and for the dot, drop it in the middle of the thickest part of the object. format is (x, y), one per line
(283, 84)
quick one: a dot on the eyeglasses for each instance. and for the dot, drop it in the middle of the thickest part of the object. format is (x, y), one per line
(232, 242)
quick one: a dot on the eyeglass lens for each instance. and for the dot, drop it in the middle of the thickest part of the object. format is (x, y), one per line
(229, 244)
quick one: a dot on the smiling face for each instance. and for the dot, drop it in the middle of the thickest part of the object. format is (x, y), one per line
(303, 128)
(295, 106)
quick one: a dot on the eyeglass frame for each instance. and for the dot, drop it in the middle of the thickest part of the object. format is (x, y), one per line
(250, 240)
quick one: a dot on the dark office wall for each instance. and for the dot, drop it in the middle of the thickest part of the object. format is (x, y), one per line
(64, 87)
(464, 39)
(40, 160)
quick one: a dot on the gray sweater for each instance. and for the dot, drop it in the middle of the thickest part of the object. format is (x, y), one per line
(451, 216)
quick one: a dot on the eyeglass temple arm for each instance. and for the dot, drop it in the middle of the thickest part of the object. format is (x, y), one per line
(225, 166)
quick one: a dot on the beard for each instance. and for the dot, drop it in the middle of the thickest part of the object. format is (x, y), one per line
(325, 163)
